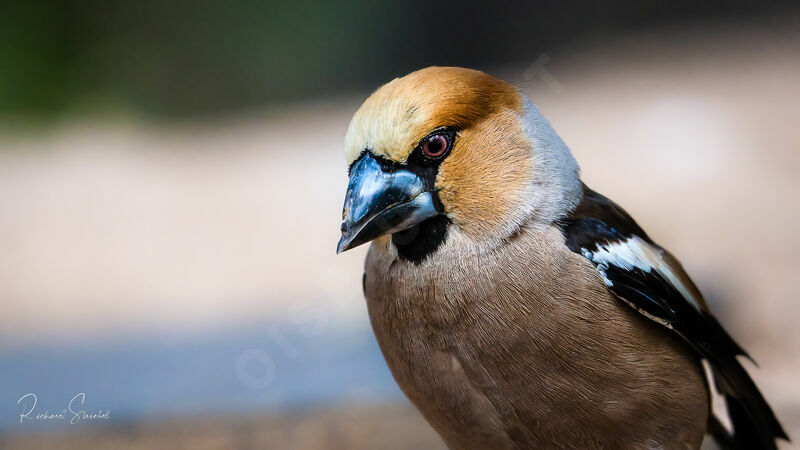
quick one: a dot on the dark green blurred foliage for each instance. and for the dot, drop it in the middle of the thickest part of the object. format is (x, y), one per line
(183, 58)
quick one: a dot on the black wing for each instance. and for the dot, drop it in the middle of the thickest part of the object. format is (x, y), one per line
(652, 281)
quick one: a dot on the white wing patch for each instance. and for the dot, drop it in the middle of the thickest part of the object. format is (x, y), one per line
(635, 253)
(719, 406)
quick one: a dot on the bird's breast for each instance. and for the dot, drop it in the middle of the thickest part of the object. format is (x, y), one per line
(515, 346)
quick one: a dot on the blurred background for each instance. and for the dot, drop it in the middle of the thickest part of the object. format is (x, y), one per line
(171, 182)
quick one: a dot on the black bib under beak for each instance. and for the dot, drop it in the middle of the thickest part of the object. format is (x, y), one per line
(381, 202)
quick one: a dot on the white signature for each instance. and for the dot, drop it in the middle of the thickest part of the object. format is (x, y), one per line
(73, 413)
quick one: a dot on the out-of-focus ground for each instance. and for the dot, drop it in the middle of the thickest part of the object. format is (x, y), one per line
(111, 230)
(345, 427)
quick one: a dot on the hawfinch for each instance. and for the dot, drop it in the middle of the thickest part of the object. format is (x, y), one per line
(516, 307)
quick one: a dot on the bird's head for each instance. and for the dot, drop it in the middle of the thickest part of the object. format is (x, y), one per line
(448, 147)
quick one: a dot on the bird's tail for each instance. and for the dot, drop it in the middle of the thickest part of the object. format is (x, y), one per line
(754, 424)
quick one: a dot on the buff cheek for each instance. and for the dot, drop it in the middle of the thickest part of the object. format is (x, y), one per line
(484, 179)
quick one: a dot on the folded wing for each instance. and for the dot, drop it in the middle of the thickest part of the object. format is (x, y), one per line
(649, 279)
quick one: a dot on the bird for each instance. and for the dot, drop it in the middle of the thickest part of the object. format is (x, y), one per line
(515, 306)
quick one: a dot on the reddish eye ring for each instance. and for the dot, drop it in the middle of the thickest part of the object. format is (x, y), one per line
(435, 146)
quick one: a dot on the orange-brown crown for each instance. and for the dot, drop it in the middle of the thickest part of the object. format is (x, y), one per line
(395, 117)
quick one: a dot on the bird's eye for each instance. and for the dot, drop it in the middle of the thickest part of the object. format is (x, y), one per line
(436, 145)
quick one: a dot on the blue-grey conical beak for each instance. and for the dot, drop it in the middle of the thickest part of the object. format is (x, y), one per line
(380, 202)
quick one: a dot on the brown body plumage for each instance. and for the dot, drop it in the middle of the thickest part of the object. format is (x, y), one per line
(523, 347)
